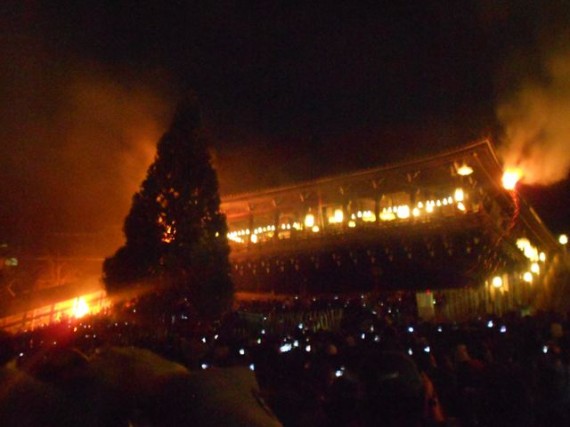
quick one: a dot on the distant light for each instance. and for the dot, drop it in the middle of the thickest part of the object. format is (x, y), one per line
(503, 329)
(376, 338)
(259, 340)
(545, 349)
(204, 340)
(241, 351)
(416, 212)
(497, 281)
(11, 262)
(410, 352)
(439, 329)
(464, 170)
(285, 348)
(296, 343)
(362, 336)
(535, 268)
(527, 277)
(351, 224)
(563, 239)
(387, 215)
(315, 229)
(403, 212)
(263, 332)
(300, 326)
(368, 216)
(338, 215)
(253, 238)
(411, 329)
(252, 367)
(309, 220)
(308, 348)
(542, 257)
(490, 324)
(204, 366)
(427, 349)
(338, 373)
(461, 206)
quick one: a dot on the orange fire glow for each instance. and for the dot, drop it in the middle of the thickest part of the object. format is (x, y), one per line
(511, 177)
(80, 308)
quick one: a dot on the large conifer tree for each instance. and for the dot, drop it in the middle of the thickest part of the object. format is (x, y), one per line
(175, 234)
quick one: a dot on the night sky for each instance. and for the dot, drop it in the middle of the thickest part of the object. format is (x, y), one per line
(289, 90)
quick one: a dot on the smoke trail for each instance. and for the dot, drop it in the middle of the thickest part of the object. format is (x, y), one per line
(536, 123)
(76, 139)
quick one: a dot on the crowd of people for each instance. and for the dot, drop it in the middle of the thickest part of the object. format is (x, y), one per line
(346, 361)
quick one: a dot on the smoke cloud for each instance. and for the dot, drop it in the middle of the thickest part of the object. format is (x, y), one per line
(76, 141)
(536, 122)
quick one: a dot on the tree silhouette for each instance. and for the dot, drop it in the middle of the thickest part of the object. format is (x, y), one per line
(176, 236)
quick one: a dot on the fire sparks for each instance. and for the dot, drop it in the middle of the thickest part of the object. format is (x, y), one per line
(511, 177)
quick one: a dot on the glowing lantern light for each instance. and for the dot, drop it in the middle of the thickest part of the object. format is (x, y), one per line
(531, 253)
(497, 282)
(542, 257)
(338, 215)
(429, 208)
(461, 206)
(369, 216)
(351, 224)
(464, 170)
(563, 239)
(510, 178)
(387, 215)
(527, 277)
(522, 243)
(253, 238)
(459, 195)
(309, 220)
(80, 308)
(416, 212)
(315, 229)
(403, 212)
(535, 268)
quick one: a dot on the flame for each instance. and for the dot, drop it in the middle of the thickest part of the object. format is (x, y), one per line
(80, 308)
(511, 177)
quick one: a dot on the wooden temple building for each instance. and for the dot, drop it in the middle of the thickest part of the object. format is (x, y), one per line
(435, 224)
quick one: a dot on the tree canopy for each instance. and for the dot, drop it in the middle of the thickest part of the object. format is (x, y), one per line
(176, 236)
